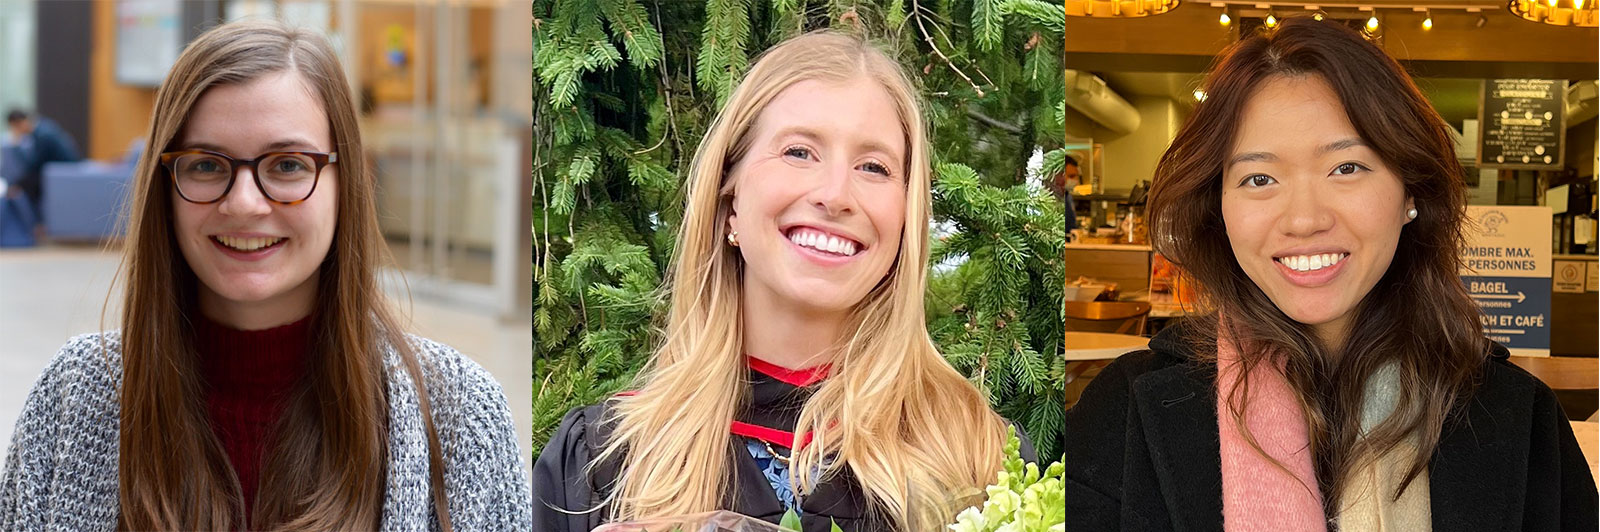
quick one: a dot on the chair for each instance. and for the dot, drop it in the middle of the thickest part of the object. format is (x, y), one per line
(1132, 314)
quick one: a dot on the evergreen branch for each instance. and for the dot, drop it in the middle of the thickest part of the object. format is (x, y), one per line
(972, 111)
(1041, 68)
(1055, 162)
(895, 14)
(629, 24)
(936, 51)
(666, 92)
(1051, 16)
(987, 17)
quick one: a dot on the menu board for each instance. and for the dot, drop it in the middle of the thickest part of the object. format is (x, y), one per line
(1522, 124)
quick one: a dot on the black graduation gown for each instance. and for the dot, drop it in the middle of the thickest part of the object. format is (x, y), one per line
(559, 480)
(1143, 454)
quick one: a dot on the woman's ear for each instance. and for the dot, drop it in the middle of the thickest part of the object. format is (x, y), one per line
(1411, 209)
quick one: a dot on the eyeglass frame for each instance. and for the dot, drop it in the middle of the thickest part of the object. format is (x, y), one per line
(322, 161)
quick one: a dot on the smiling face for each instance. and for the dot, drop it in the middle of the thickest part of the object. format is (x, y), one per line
(257, 260)
(820, 197)
(1312, 213)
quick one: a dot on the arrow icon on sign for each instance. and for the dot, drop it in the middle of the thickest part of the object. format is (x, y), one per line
(1519, 297)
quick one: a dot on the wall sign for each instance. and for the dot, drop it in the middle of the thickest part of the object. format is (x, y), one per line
(1506, 266)
(1522, 123)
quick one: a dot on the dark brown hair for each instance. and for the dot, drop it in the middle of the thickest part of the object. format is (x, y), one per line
(326, 469)
(1418, 316)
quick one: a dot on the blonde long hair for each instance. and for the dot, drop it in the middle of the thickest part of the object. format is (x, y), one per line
(326, 469)
(886, 411)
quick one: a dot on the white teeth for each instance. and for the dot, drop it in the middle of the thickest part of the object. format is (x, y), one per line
(822, 242)
(247, 244)
(1306, 263)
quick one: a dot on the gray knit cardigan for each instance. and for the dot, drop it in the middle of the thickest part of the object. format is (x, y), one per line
(61, 469)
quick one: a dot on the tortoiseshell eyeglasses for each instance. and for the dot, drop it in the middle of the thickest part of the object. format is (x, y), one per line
(285, 177)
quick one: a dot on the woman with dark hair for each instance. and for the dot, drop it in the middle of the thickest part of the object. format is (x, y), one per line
(1343, 381)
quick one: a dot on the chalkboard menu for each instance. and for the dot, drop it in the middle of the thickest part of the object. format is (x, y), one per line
(1521, 124)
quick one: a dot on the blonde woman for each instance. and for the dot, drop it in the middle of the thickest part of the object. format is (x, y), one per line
(797, 372)
(259, 381)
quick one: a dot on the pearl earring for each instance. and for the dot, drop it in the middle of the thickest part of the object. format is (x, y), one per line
(1411, 213)
(733, 238)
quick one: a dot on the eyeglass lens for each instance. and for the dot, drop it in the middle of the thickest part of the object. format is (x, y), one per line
(285, 177)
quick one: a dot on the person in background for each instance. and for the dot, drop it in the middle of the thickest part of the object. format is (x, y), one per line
(1070, 177)
(38, 141)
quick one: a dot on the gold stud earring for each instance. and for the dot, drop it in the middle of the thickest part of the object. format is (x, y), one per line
(733, 238)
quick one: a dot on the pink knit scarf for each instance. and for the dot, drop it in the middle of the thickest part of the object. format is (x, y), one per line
(1258, 496)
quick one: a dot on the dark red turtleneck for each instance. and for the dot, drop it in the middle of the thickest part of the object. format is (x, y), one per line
(248, 376)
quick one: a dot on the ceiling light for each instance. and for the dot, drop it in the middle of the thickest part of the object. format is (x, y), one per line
(1553, 13)
(1123, 9)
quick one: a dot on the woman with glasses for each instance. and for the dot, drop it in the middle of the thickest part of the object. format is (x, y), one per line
(259, 378)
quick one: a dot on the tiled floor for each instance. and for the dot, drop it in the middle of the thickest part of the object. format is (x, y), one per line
(49, 294)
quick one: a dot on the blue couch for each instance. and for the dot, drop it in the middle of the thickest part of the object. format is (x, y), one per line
(83, 200)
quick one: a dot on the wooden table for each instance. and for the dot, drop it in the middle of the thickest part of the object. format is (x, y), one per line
(1088, 350)
(1101, 346)
(1588, 433)
(1561, 373)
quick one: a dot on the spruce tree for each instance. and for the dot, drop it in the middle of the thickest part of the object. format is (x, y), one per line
(624, 90)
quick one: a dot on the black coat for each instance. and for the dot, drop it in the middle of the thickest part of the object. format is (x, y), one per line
(1143, 453)
(559, 480)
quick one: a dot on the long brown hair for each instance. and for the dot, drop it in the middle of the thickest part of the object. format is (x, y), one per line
(326, 469)
(1418, 316)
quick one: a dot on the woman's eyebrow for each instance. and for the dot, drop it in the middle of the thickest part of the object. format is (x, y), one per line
(812, 135)
(798, 131)
(1254, 156)
(1341, 145)
(1266, 156)
(281, 144)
